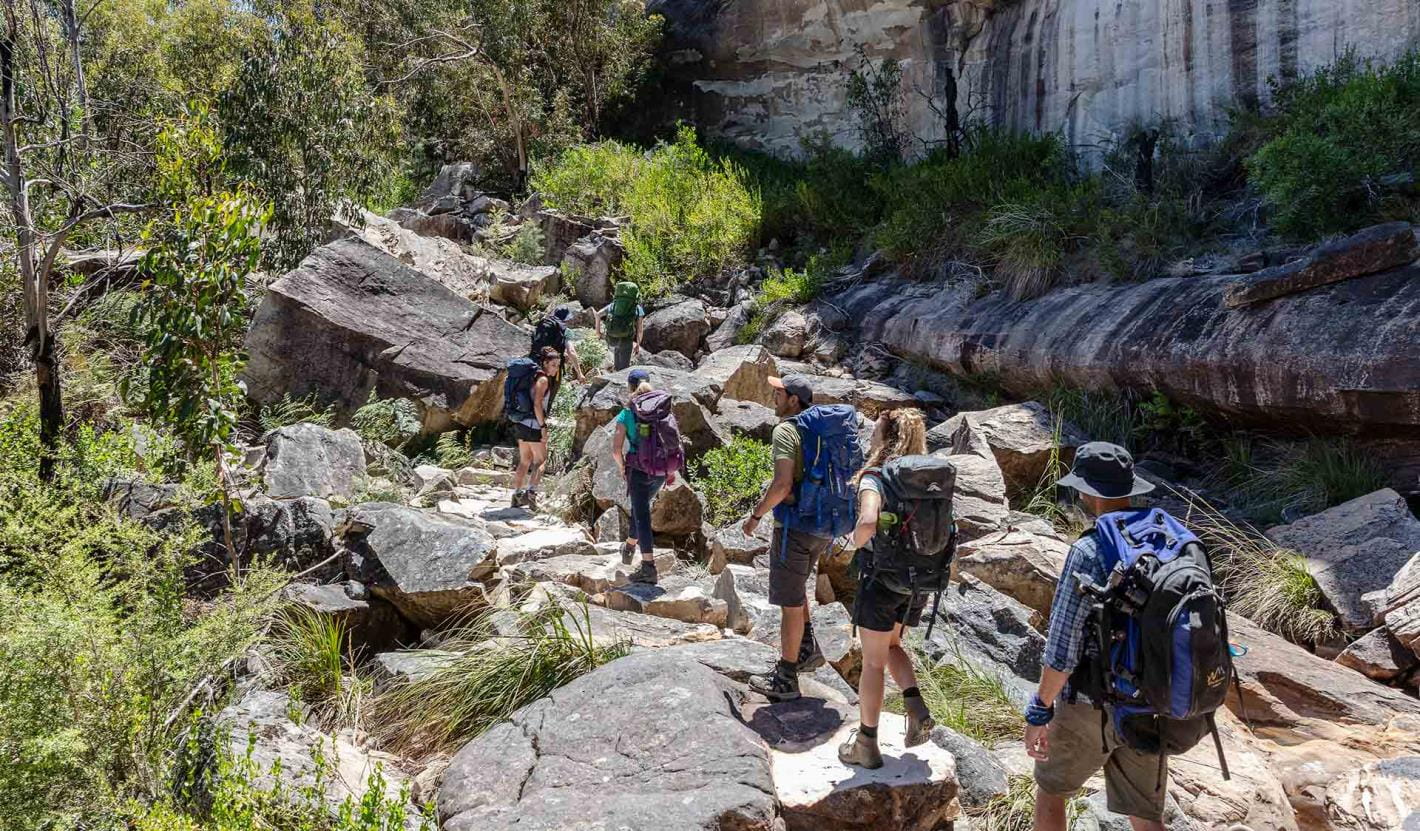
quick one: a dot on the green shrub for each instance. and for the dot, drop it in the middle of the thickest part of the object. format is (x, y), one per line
(964, 698)
(592, 351)
(1028, 240)
(691, 216)
(290, 411)
(486, 683)
(563, 426)
(1337, 136)
(527, 245)
(1270, 479)
(392, 422)
(733, 477)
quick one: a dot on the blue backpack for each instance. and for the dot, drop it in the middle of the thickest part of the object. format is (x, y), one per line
(517, 389)
(1159, 635)
(826, 502)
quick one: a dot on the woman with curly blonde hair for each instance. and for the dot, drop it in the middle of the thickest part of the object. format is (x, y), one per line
(883, 608)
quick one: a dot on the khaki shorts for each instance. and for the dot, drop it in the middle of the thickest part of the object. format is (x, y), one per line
(1132, 784)
(792, 557)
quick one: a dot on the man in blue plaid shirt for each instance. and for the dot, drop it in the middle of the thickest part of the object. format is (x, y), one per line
(1063, 732)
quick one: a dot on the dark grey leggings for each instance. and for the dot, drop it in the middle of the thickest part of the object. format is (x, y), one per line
(642, 487)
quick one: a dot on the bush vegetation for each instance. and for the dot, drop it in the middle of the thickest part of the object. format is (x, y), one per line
(691, 215)
(1274, 481)
(963, 697)
(733, 477)
(1015, 809)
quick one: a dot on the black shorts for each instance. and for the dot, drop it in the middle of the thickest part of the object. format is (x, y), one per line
(522, 432)
(879, 608)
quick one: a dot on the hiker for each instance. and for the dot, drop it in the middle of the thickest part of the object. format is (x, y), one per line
(552, 331)
(1135, 588)
(646, 444)
(815, 453)
(893, 485)
(624, 319)
(527, 400)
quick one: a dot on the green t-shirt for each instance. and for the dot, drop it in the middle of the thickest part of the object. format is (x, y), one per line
(628, 420)
(787, 445)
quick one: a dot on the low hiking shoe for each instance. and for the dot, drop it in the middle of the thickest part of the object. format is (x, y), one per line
(530, 501)
(517, 501)
(861, 751)
(919, 722)
(776, 685)
(645, 574)
(810, 656)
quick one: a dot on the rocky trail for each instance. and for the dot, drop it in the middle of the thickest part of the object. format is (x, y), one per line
(669, 736)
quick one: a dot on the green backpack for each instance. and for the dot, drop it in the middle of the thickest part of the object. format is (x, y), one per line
(621, 323)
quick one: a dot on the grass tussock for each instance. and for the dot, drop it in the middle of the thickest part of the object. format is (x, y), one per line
(1043, 500)
(1014, 810)
(311, 651)
(488, 681)
(970, 701)
(1275, 481)
(1265, 583)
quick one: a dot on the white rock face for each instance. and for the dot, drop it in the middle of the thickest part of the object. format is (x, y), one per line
(770, 72)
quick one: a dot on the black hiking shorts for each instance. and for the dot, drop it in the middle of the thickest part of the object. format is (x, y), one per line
(879, 608)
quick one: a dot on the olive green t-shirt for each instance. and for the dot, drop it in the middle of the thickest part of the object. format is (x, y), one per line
(787, 445)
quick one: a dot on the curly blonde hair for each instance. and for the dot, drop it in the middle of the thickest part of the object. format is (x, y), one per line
(905, 434)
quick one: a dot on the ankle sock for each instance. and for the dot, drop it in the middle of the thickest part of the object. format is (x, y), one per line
(911, 692)
(868, 732)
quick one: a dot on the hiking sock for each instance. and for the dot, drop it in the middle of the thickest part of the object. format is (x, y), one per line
(787, 668)
(867, 732)
(911, 692)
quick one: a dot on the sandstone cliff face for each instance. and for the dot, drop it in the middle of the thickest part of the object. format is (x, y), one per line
(767, 72)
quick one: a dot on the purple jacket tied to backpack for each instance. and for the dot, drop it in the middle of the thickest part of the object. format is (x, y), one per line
(658, 451)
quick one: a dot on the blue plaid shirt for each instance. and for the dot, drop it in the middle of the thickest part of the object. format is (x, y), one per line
(1070, 609)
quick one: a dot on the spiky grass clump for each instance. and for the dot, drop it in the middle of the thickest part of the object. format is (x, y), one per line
(1273, 481)
(1042, 501)
(488, 682)
(1268, 584)
(1103, 415)
(312, 654)
(1014, 810)
(964, 698)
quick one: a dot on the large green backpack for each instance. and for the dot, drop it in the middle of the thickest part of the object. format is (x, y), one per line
(621, 323)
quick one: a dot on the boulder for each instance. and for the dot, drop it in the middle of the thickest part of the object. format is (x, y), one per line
(737, 616)
(543, 543)
(652, 740)
(295, 533)
(680, 327)
(693, 401)
(611, 526)
(674, 598)
(350, 319)
(870, 397)
(1377, 248)
(988, 628)
(592, 574)
(979, 500)
(310, 460)
(1253, 797)
(980, 775)
(1404, 625)
(1378, 655)
(284, 751)
(744, 418)
(745, 589)
(561, 231)
(521, 286)
(677, 509)
(436, 257)
(728, 332)
(914, 790)
(427, 564)
(1286, 686)
(588, 265)
(742, 373)
(833, 629)
(1020, 564)
(449, 226)
(1355, 548)
(1382, 796)
(730, 545)
(1021, 437)
(787, 335)
(454, 184)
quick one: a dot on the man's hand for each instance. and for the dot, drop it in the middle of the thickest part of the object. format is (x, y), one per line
(1038, 742)
(751, 523)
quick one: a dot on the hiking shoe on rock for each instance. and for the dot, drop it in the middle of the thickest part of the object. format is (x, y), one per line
(779, 684)
(645, 574)
(861, 751)
(919, 722)
(810, 656)
(517, 501)
(530, 501)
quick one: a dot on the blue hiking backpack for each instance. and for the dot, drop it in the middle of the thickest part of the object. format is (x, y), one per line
(826, 502)
(1158, 649)
(517, 389)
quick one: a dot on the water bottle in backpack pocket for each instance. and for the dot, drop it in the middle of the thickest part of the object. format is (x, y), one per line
(916, 539)
(1159, 634)
(825, 502)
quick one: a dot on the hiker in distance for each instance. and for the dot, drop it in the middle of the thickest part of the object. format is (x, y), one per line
(646, 444)
(527, 400)
(624, 323)
(552, 331)
(897, 482)
(815, 453)
(1137, 630)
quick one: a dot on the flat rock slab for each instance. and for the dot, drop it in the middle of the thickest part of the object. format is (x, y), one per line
(543, 543)
(593, 574)
(1354, 549)
(650, 741)
(311, 460)
(914, 790)
(638, 630)
(1382, 796)
(1020, 564)
(1377, 248)
(672, 599)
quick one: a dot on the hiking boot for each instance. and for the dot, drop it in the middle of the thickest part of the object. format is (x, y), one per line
(530, 501)
(628, 553)
(645, 574)
(861, 751)
(810, 656)
(779, 684)
(517, 499)
(919, 722)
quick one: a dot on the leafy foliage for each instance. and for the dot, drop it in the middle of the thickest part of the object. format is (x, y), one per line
(306, 130)
(392, 422)
(875, 96)
(733, 477)
(290, 411)
(691, 215)
(1338, 136)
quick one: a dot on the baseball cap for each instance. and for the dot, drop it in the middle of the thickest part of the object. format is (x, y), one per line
(795, 385)
(637, 377)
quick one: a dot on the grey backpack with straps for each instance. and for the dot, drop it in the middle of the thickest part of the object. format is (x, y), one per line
(916, 539)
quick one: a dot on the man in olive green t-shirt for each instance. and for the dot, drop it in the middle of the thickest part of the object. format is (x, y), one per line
(792, 552)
